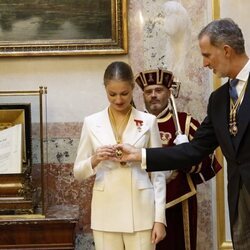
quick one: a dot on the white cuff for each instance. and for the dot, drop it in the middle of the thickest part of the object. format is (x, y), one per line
(143, 159)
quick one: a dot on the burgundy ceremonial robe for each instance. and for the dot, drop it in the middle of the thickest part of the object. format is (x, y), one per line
(181, 186)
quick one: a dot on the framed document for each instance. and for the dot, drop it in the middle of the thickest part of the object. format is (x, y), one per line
(11, 150)
(17, 114)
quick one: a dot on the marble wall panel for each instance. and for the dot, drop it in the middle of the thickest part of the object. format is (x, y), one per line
(159, 38)
(62, 188)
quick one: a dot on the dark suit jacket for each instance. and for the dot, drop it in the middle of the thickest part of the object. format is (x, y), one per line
(212, 133)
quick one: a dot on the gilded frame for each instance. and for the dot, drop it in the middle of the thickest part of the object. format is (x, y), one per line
(99, 28)
(223, 228)
(223, 243)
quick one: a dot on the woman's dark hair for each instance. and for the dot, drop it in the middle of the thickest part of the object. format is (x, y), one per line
(119, 71)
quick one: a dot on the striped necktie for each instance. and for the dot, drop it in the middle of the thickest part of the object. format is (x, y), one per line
(232, 89)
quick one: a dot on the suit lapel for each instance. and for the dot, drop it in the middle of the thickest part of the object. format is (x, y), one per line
(222, 109)
(135, 129)
(102, 130)
(243, 116)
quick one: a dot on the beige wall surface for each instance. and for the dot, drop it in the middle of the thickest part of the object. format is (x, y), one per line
(75, 85)
(239, 12)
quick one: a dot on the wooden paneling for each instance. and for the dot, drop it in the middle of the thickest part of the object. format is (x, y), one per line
(37, 234)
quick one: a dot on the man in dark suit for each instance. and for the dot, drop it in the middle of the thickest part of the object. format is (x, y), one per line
(227, 125)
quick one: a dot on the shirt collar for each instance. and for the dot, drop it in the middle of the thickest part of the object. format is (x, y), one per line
(244, 73)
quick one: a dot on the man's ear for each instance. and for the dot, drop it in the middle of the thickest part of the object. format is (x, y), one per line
(227, 50)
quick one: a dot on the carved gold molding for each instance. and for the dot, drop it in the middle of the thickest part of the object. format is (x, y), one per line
(222, 242)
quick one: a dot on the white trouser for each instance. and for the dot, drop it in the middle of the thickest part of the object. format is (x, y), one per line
(140, 240)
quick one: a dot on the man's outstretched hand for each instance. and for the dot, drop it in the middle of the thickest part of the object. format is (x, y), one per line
(127, 153)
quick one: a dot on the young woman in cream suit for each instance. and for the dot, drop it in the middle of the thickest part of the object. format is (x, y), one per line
(128, 206)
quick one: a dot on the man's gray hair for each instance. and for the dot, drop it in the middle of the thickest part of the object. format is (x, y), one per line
(224, 31)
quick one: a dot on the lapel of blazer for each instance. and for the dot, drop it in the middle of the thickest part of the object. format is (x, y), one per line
(221, 109)
(134, 131)
(243, 116)
(102, 130)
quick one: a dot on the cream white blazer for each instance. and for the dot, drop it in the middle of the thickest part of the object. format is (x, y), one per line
(124, 198)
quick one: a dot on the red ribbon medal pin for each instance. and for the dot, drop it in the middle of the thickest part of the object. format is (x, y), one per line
(138, 124)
